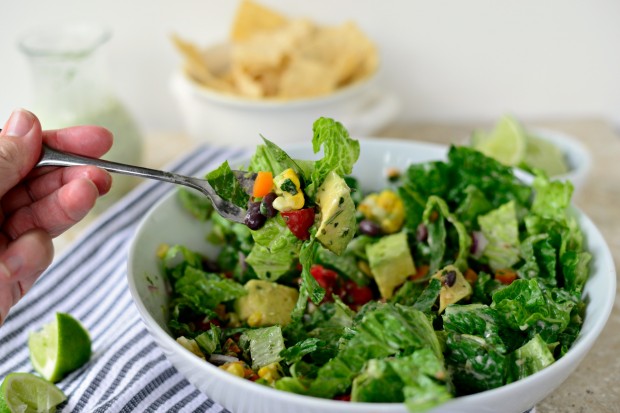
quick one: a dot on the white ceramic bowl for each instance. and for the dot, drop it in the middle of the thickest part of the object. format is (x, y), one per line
(168, 222)
(225, 119)
(577, 155)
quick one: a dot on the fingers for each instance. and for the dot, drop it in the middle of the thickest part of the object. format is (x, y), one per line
(56, 212)
(35, 189)
(92, 141)
(21, 263)
(20, 146)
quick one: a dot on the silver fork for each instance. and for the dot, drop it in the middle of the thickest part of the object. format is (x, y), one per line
(228, 210)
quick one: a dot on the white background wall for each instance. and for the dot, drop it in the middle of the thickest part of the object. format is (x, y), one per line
(447, 59)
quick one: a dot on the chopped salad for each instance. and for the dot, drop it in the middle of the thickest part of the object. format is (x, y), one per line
(455, 278)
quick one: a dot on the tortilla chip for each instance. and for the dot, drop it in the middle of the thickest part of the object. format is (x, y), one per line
(246, 85)
(196, 66)
(252, 18)
(272, 56)
(306, 78)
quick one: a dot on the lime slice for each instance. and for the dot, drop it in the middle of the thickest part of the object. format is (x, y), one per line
(478, 136)
(506, 144)
(59, 348)
(27, 393)
(544, 155)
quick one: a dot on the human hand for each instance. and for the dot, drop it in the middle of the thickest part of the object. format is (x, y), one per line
(39, 204)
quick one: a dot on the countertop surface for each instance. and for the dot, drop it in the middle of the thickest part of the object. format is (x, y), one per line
(593, 387)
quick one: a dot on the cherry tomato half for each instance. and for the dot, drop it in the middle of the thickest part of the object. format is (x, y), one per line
(299, 222)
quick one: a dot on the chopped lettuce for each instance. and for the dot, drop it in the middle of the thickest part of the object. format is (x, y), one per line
(419, 183)
(209, 341)
(405, 350)
(196, 204)
(434, 217)
(340, 152)
(417, 379)
(275, 250)
(227, 186)
(533, 356)
(501, 229)
(525, 306)
(385, 331)
(201, 290)
(265, 344)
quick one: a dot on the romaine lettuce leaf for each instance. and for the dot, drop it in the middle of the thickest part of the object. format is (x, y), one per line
(422, 374)
(275, 250)
(295, 353)
(476, 320)
(434, 217)
(540, 259)
(196, 204)
(383, 331)
(533, 356)
(270, 157)
(209, 341)
(177, 259)
(475, 365)
(525, 306)
(551, 199)
(501, 229)
(309, 287)
(227, 186)
(575, 268)
(266, 344)
(496, 181)
(474, 204)
(201, 290)
(340, 152)
(421, 181)
(427, 299)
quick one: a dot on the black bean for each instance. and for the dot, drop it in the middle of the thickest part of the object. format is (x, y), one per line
(369, 227)
(266, 205)
(449, 278)
(253, 218)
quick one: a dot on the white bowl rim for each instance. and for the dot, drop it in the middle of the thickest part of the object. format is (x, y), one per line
(572, 357)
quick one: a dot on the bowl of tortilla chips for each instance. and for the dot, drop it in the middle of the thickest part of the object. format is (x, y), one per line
(275, 73)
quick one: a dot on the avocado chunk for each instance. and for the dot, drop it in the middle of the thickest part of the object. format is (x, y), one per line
(337, 225)
(454, 287)
(390, 262)
(266, 303)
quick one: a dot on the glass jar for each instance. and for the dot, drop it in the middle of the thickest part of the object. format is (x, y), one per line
(71, 87)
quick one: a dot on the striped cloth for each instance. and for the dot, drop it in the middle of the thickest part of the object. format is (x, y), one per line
(127, 372)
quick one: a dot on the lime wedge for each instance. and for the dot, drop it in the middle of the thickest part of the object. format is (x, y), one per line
(544, 155)
(61, 347)
(506, 144)
(27, 393)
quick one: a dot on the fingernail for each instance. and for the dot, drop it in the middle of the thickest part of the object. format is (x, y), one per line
(20, 123)
(10, 266)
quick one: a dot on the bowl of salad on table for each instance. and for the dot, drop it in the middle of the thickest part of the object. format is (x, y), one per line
(373, 275)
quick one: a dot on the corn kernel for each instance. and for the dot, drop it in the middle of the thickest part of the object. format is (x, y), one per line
(386, 209)
(269, 372)
(234, 368)
(255, 319)
(290, 196)
(162, 250)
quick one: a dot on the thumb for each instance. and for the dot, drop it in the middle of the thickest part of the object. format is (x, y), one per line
(20, 148)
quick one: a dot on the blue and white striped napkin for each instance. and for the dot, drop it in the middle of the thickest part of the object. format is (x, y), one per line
(127, 372)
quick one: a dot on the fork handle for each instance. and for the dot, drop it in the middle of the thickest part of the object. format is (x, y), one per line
(51, 157)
